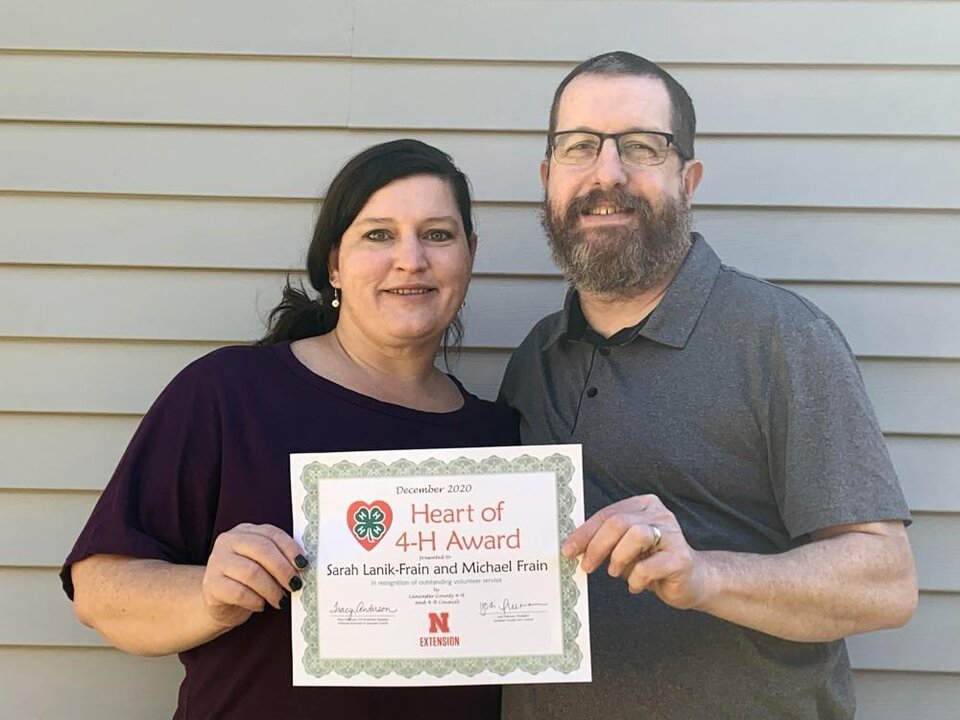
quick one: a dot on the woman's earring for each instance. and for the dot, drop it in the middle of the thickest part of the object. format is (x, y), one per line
(336, 298)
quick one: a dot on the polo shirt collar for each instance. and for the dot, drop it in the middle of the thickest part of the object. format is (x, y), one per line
(673, 320)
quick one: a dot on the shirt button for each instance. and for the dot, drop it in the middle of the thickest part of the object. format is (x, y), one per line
(591, 392)
(605, 351)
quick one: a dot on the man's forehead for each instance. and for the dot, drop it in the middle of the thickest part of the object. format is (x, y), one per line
(613, 103)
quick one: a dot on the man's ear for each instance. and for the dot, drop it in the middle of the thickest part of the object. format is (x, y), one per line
(692, 174)
(544, 173)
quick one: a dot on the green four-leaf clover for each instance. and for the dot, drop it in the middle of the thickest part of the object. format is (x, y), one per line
(368, 523)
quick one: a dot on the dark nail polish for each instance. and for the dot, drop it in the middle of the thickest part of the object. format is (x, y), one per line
(295, 583)
(301, 561)
(285, 602)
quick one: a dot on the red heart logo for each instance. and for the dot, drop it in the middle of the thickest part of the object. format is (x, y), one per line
(369, 522)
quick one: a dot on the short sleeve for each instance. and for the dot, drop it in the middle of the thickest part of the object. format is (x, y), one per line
(828, 460)
(161, 501)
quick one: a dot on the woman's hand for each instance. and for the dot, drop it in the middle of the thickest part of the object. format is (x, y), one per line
(250, 566)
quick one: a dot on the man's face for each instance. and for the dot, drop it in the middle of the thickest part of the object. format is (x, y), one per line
(613, 227)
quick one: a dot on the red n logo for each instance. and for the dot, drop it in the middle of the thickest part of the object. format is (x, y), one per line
(439, 622)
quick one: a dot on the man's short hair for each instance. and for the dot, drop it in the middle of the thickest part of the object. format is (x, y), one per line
(683, 123)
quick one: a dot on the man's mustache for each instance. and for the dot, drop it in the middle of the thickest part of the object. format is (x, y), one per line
(616, 197)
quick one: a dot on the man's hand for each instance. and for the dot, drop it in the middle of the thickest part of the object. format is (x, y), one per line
(625, 535)
(848, 579)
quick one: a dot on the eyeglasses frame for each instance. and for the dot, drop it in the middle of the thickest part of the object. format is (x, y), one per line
(669, 137)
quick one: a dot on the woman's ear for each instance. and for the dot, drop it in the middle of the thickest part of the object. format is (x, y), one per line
(472, 244)
(333, 267)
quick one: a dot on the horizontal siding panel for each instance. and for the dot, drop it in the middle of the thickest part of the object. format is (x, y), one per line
(729, 32)
(815, 171)
(37, 612)
(40, 614)
(99, 377)
(780, 171)
(891, 320)
(295, 27)
(936, 546)
(174, 90)
(814, 244)
(248, 234)
(898, 389)
(233, 162)
(180, 305)
(928, 643)
(894, 321)
(92, 443)
(721, 32)
(926, 465)
(377, 94)
(799, 244)
(39, 528)
(737, 100)
(894, 696)
(28, 539)
(89, 683)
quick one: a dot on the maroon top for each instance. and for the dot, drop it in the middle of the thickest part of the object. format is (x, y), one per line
(213, 452)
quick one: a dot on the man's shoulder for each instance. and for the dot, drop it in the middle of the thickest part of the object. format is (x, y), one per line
(750, 298)
(529, 350)
(547, 328)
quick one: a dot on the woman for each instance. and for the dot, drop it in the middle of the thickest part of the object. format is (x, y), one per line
(189, 548)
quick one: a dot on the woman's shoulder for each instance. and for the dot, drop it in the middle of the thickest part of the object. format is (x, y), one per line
(231, 358)
(228, 367)
(492, 414)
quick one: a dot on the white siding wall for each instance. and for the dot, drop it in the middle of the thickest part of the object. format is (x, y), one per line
(159, 167)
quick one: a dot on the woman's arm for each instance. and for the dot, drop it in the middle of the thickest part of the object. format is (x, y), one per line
(152, 607)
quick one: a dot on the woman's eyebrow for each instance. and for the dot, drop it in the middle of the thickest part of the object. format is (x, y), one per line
(375, 220)
(386, 220)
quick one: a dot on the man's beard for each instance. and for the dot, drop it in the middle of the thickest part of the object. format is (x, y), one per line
(623, 260)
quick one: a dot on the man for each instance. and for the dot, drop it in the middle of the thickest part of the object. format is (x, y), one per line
(743, 514)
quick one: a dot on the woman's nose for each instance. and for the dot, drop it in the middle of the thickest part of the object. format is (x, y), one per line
(410, 254)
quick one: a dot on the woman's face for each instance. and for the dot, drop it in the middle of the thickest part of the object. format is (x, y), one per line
(404, 263)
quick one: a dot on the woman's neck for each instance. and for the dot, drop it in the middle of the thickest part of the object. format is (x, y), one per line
(401, 376)
(407, 363)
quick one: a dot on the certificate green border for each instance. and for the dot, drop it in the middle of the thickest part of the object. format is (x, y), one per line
(568, 661)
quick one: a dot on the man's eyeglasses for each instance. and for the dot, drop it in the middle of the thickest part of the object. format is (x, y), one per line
(580, 147)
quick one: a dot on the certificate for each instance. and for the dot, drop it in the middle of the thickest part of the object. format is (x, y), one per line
(439, 567)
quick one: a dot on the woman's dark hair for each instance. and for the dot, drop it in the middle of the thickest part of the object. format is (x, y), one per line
(299, 315)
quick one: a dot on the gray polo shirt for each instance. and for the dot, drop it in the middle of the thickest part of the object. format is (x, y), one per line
(741, 406)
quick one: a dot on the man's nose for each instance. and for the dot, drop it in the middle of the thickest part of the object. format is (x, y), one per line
(608, 167)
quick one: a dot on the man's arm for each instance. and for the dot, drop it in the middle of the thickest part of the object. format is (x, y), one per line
(849, 579)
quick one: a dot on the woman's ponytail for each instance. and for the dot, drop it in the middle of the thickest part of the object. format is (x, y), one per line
(299, 316)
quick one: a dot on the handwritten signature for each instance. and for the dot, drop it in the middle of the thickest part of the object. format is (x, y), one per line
(361, 608)
(507, 606)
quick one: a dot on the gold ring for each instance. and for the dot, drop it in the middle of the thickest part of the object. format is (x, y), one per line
(657, 536)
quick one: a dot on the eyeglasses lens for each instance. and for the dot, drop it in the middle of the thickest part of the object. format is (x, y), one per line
(582, 148)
